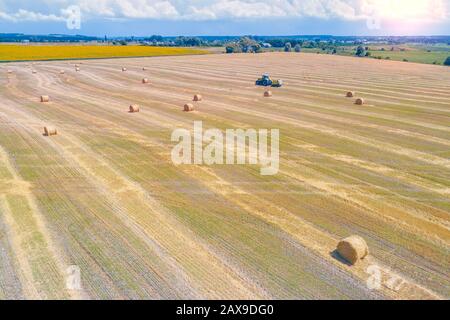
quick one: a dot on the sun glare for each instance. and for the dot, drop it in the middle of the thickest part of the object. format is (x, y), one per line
(409, 16)
(408, 10)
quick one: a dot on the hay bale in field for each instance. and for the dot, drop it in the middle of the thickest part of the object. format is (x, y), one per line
(77, 69)
(144, 69)
(124, 69)
(350, 94)
(134, 108)
(359, 101)
(34, 72)
(353, 249)
(62, 72)
(50, 131)
(145, 80)
(10, 71)
(198, 97)
(188, 107)
(45, 98)
(267, 93)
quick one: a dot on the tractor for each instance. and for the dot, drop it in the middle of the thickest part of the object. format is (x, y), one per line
(266, 81)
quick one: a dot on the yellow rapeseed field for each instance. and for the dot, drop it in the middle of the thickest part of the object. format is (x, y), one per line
(60, 52)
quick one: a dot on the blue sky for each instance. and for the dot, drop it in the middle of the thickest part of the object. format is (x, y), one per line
(227, 17)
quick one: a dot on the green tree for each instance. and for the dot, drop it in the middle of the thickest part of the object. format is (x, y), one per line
(287, 47)
(249, 45)
(246, 42)
(277, 43)
(360, 52)
(257, 48)
(188, 41)
(447, 62)
(298, 48)
(233, 48)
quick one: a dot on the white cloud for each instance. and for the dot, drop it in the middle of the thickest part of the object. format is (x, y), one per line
(240, 9)
(143, 9)
(25, 15)
(130, 8)
(51, 10)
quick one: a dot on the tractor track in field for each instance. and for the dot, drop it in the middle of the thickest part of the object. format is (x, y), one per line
(19, 240)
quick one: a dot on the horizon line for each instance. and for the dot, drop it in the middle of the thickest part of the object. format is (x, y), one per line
(221, 36)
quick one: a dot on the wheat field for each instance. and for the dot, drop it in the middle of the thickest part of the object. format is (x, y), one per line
(105, 196)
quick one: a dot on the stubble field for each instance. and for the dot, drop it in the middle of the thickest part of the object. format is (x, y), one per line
(105, 196)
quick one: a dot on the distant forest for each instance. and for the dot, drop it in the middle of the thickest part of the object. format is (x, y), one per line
(220, 41)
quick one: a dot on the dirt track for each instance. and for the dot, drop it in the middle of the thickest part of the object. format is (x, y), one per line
(105, 196)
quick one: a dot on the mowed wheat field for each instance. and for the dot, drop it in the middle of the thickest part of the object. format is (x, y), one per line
(105, 196)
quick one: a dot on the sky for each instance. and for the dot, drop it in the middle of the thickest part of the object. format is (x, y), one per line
(226, 17)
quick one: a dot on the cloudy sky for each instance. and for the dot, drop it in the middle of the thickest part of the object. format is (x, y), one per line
(227, 17)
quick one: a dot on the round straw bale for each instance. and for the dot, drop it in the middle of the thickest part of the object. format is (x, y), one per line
(267, 93)
(62, 72)
(124, 69)
(34, 71)
(359, 101)
(145, 80)
(134, 108)
(350, 94)
(10, 71)
(77, 69)
(50, 131)
(144, 69)
(353, 249)
(188, 107)
(198, 97)
(45, 98)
